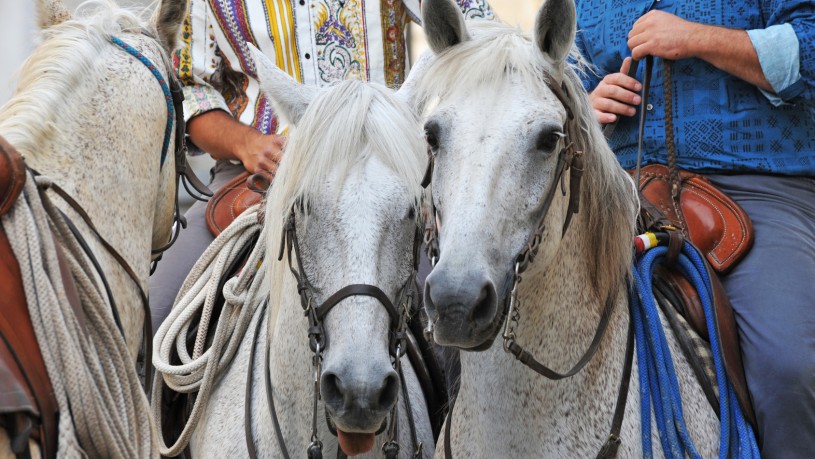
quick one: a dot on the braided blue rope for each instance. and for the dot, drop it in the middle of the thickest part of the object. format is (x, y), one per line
(659, 387)
(168, 97)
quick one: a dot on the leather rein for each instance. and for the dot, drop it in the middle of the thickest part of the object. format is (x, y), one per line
(399, 314)
(571, 159)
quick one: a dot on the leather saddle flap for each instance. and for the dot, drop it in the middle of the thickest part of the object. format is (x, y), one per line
(716, 225)
(232, 199)
(31, 387)
(12, 175)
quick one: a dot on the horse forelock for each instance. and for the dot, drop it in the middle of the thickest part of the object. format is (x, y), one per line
(608, 199)
(67, 54)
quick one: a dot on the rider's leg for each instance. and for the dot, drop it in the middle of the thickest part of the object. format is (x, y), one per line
(193, 240)
(773, 293)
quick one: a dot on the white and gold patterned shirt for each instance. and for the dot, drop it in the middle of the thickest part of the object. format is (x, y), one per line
(315, 41)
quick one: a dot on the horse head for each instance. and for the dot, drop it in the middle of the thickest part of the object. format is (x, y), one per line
(501, 109)
(348, 188)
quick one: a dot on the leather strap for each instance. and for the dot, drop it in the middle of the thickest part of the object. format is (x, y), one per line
(147, 330)
(527, 359)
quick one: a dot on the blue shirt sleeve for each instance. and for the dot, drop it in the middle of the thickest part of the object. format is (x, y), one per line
(800, 15)
(777, 49)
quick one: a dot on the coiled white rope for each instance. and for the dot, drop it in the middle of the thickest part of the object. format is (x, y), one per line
(103, 409)
(199, 371)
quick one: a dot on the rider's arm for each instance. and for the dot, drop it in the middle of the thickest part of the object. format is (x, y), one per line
(211, 127)
(665, 35)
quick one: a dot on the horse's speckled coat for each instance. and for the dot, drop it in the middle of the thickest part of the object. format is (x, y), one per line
(358, 229)
(489, 175)
(92, 118)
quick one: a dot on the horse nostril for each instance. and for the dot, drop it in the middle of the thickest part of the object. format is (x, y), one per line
(331, 389)
(484, 308)
(389, 391)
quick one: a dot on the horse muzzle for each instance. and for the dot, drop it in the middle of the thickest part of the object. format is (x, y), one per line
(463, 308)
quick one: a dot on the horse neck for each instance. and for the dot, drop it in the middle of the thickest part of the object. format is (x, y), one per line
(509, 404)
(103, 149)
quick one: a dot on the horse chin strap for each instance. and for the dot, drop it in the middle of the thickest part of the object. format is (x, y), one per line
(318, 340)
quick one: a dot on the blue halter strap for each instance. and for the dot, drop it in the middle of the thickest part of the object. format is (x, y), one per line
(165, 88)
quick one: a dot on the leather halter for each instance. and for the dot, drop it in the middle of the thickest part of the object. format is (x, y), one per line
(318, 341)
(572, 159)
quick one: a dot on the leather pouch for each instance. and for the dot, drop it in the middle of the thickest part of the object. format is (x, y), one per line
(715, 224)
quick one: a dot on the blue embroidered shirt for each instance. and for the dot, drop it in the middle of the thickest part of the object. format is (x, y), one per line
(721, 123)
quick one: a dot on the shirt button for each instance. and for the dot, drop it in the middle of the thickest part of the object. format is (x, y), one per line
(308, 56)
(649, 107)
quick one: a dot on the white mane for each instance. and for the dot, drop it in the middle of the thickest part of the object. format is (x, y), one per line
(344, 125)
(606, 193)
(68, 54)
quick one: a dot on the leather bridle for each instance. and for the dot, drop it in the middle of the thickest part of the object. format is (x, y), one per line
(571, 159)
(400, 315)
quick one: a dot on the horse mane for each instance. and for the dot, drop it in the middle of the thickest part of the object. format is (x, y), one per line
(608, 199)
(345, 125)
(67, 54)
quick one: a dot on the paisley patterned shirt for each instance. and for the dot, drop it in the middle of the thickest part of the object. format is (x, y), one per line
(721, 123)
(316, 41)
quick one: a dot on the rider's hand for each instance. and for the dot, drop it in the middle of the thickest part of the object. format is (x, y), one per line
(664, 35)
(260, 152)
(616, 95)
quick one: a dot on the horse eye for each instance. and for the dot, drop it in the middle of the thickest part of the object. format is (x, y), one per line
(431, 135)
(547, 140)
(411, 213)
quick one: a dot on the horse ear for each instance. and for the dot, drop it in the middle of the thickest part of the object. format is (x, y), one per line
(443, 24)
(167, 20)
(51, 13)
(289, 98)
(407, 92)
(555, 28)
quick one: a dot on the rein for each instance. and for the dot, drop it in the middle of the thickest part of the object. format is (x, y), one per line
(400, 315)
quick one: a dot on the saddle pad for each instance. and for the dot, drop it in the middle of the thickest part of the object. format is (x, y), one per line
(716, 225)
(12, 175)
(234, 198)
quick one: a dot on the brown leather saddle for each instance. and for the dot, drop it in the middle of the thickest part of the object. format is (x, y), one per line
(28, 408)
(687, 206)
(232, 199)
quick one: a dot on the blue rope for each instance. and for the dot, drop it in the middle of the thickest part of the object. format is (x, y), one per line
(168, 131)
(659, 386)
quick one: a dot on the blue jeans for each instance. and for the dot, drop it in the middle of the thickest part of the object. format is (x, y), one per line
(773, 294)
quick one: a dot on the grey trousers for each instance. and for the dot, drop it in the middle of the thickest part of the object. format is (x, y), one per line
(773, 294)
(178, 261)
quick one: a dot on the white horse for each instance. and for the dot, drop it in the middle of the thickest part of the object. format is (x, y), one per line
(495, 125)
(350, 179)
(93, 118)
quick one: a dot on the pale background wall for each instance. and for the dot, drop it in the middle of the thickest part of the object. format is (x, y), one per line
(515, 12)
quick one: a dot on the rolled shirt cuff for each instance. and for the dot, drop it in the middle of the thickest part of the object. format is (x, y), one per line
(777, 48)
